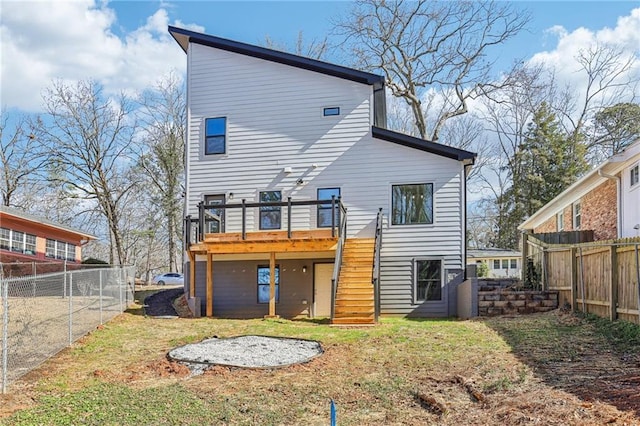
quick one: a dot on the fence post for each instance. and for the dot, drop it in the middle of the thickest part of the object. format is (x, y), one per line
(638, 280)
(70, 306)
(120, 281)
(100, 293)
(613, 283)
(5, 331)
(574, 278)
(584, 296)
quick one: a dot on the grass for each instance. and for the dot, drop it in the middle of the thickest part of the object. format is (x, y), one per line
(399, 372)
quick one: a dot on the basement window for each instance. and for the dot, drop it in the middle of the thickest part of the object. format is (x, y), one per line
(427, 280)
(264, 283)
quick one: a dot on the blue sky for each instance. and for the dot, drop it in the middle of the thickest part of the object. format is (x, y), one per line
(125, 45)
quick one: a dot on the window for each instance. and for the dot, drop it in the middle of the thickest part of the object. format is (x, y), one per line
(412, 204)
(17, 241)
(270, 215)
(215, 219)
(505, 263)
(5, 239)
(496, 263)
(514, 263)
(215, 135)
(331, 111)
(428, 280)
(634, 176)
(264, 283)
(61, 250)
(50, 248)
(576, 215)
(30, 244)
(324, 210)
(560, 221)
(71, 252)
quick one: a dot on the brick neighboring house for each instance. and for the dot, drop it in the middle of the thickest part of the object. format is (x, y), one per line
(606, 201)
(25, 238)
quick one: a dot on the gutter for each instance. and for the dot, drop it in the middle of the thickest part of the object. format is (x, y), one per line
(618, 200)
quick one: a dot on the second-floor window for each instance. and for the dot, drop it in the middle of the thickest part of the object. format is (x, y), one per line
(634, 176)
(324, 210)
(412, 204)
(270, 216)
(560, 221)
(215, 140)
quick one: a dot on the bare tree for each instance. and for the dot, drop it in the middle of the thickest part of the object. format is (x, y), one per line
(21, 158)
(315, 49)
(91, 137)
(163, 115)
(433, 54)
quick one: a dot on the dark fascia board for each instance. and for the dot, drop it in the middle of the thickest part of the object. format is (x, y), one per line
(184, 37)
(466, 157)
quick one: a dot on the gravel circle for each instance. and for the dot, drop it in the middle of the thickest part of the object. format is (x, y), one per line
(248, 351)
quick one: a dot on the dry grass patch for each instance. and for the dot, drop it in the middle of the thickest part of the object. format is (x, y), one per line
(409, 372)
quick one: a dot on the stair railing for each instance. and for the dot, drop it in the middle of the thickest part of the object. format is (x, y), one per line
(375, 275)
(342, 235)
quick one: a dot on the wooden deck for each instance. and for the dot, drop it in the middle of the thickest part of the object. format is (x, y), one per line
(316, 240)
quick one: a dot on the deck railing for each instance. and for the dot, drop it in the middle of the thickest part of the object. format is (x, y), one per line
(206, 215)
(337, 264)
(375, 276)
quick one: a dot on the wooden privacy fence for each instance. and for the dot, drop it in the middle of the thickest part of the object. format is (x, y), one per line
(600, 277)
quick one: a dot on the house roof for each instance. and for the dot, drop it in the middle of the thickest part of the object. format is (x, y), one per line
(488, 253)
(424, 145)
(184, 37)
(612, 166)
(4, 210)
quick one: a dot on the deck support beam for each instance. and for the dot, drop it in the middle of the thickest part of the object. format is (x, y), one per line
(192, 274)
(272, 286)
(209, 284)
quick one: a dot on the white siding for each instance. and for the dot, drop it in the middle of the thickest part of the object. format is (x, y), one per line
(274, 120)
(630, 203)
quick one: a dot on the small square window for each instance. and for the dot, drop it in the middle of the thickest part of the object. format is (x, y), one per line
(331, 111)
(412, 204)
(215, 135)
(634, 177)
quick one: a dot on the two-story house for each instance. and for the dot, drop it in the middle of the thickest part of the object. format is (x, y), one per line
(300, 203)
(606, 201)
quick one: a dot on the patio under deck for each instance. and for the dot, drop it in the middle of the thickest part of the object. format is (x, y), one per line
(302, 242)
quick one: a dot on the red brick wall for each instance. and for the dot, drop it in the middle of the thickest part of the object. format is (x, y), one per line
(598, 213)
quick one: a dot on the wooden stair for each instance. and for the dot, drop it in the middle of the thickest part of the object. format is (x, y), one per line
(355, 303)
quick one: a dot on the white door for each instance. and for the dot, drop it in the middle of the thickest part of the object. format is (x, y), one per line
(322, 274)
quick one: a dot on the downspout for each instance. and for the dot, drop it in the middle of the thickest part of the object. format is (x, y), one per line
(618, 200)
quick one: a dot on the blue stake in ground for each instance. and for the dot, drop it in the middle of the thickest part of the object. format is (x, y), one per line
(333, 413)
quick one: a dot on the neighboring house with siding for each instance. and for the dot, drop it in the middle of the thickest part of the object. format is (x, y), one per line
(25, 238)
(291, 178)
(501, 263)
(605, 201)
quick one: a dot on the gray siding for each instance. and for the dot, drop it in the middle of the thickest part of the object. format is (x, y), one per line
(274, 120)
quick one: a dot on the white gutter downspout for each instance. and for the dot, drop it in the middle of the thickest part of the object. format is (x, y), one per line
(618, 200)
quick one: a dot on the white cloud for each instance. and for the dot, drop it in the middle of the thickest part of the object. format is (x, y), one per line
(73, 40)
(625, 36)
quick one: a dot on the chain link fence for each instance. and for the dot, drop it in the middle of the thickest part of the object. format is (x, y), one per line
(43, 314)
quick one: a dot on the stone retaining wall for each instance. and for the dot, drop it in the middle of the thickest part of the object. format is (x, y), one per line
(505, 302)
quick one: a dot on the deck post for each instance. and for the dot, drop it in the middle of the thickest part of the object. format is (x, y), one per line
(333, 216)
(272, 286)
(289, 217)
(244, 219)
(209, 284)
(200, 221)
(192, 274)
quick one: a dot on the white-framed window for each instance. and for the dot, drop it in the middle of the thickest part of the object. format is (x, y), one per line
(577, 215)
(50, 248)
(560, 221)
(17, 241)
(514, 264)
(264, 283)
(215, 137)
(634, 175)
(412, 204)
(427, 280)
(60, 250)
(505, 263)
(496, 263)
(30, 244)
(5, 239)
